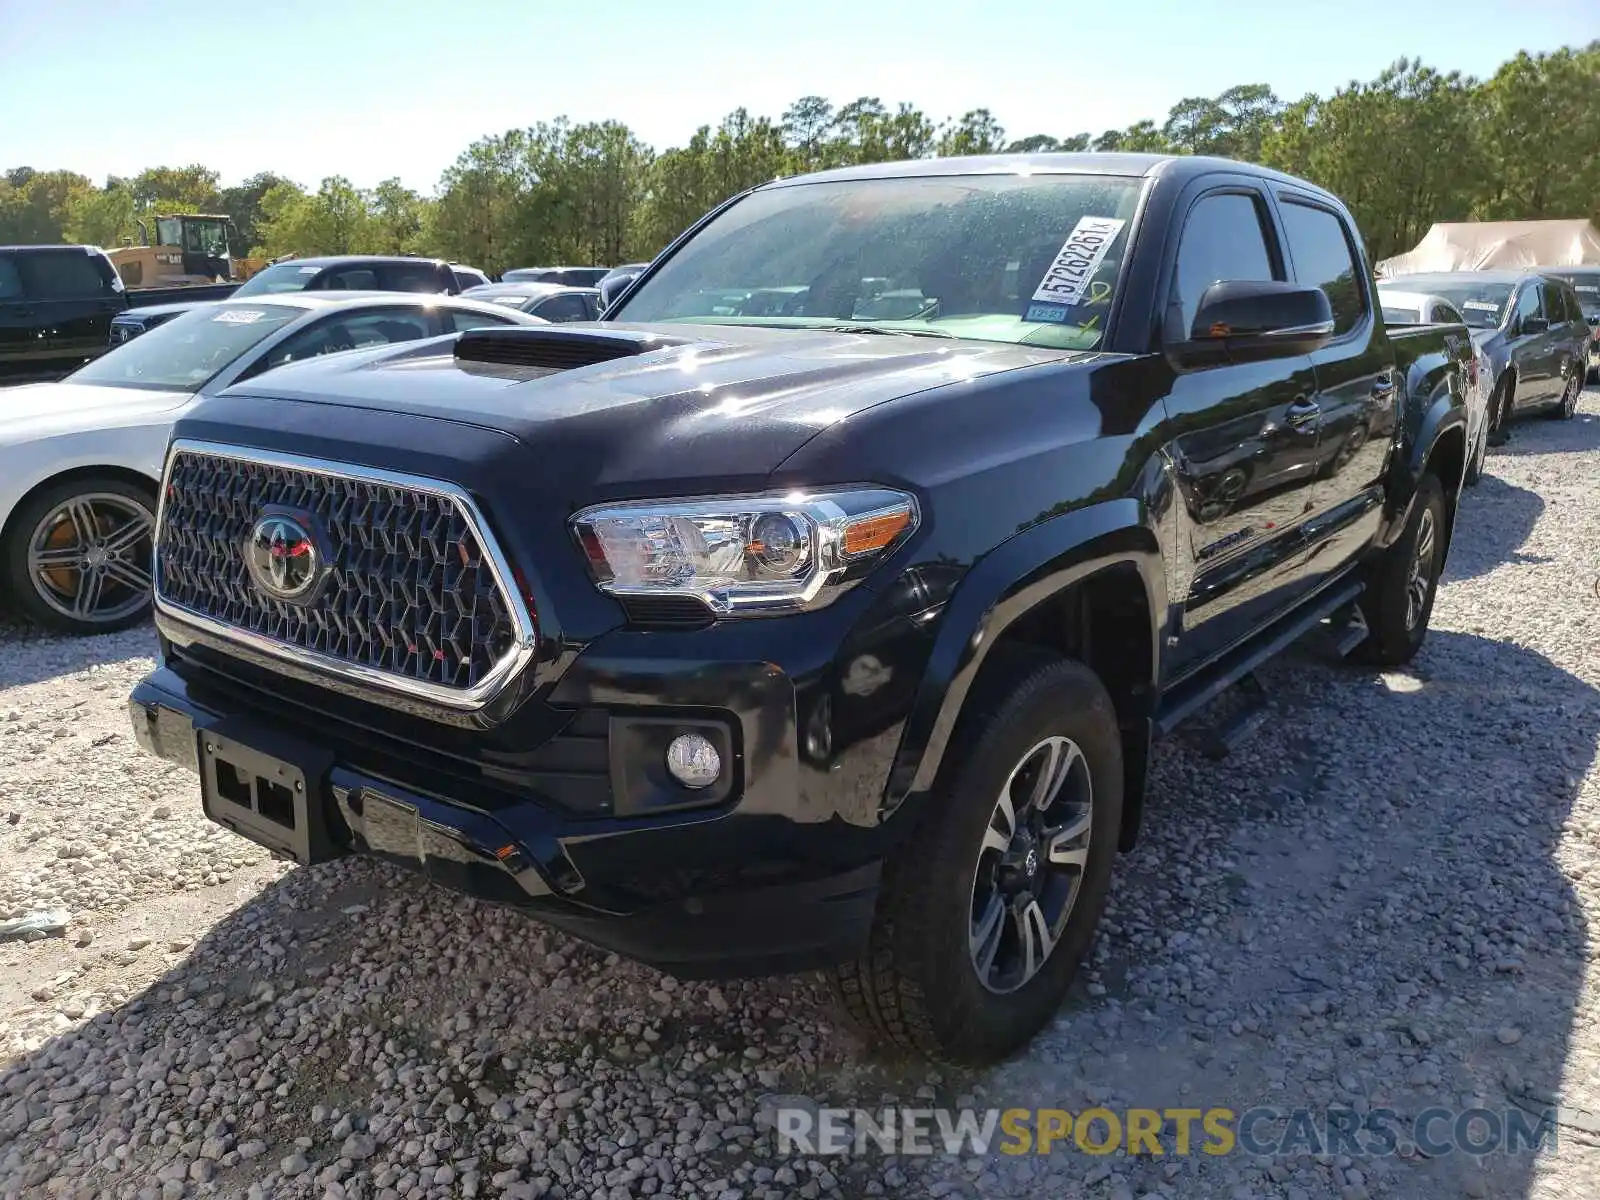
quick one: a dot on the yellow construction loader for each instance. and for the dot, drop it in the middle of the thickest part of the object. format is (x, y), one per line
(189, 249)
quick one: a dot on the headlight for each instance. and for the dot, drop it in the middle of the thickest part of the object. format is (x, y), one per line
(745, 555)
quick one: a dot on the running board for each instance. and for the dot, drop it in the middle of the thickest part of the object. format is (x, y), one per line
(1190, 696)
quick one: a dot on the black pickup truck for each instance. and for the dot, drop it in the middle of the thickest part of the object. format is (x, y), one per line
(756, 644)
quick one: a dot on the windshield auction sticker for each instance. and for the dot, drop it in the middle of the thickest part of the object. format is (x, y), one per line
(1080, 257)
(238, 316)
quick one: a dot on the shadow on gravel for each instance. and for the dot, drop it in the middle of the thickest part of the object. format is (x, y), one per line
(1495, 521)
(29, 654)
(1537, 434)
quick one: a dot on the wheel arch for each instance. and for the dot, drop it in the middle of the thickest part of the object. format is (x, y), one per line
(1091, 584)
(122, 474)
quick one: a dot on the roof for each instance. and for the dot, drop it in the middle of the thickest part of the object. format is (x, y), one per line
(1510, 245)
(328, 260)
(532, 289)
(1134, 165)
(317, 300)
(56, 246)
(1436, 278)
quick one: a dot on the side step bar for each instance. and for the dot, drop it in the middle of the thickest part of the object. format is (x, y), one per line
(1241, 662)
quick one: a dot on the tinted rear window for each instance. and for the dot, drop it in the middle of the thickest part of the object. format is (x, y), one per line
(1324, 257)
(61, 275)
(10, 279)
(423, 277)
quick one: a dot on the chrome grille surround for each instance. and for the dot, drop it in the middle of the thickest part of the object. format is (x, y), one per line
(420, 601)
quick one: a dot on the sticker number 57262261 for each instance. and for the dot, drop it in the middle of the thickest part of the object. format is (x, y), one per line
(1068, 277)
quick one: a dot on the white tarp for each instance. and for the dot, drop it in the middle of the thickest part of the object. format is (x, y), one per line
(1498, 245)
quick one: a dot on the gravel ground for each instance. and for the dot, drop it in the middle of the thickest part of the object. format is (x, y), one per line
(1380, 900)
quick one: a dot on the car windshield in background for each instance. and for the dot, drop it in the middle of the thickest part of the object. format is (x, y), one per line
(1482, 303)
(1587, 285)
(1008, 258)
(185, 352)
(1401, 316)
(285, 277)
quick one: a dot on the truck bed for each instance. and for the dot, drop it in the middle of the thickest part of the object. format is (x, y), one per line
(139, 297)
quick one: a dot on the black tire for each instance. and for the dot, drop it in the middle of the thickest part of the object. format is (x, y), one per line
(917, 983)
(121, 603)
(1474, 471)
(1397, 617)
(1500, 411)
(1567, 406)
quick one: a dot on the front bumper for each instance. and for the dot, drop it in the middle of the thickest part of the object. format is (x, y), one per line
(737, 892)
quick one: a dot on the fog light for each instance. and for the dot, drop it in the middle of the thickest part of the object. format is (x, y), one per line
(693, 760)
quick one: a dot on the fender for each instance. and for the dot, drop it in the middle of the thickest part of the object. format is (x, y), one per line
(1018, 575)
(1445, 412)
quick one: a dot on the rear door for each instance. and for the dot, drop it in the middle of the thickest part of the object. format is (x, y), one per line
(1357, 397)
(73, 298)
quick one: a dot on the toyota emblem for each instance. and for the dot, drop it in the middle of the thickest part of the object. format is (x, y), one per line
(282, 558)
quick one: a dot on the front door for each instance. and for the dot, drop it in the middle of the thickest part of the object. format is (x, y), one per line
(1529, 338)
(1246, 450)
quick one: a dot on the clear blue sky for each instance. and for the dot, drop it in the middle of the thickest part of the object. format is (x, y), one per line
(376, 88)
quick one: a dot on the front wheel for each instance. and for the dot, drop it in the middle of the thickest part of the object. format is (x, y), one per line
(1474, 471)
(1398, 600)
(987, 910)
(77, 558)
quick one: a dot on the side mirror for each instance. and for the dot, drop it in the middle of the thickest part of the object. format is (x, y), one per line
(1253, 319)
(1532, 325)
(613, 286)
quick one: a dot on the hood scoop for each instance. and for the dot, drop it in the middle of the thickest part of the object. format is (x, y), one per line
(556, 348)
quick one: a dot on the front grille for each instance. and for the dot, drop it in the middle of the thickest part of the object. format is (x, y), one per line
(410, 590)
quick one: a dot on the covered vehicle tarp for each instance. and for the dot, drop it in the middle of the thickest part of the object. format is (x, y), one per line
(1498, 245)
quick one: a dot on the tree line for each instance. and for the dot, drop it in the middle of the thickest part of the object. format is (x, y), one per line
(1413, 146)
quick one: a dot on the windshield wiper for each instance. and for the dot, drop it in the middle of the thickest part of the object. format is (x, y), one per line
(858, 327)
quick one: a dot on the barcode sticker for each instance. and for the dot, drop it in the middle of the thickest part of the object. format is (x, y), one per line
(238, 316)
(1079, 258)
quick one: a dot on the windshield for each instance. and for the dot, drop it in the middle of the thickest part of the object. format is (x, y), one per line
(1587, 285)
(185, 352)
(1008, 258)
(1482, 303)
(285, 277)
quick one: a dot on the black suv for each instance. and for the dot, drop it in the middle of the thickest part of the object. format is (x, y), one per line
(743, 644)
(56, 307)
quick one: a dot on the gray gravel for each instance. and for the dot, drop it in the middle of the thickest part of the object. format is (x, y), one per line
(1381, 900)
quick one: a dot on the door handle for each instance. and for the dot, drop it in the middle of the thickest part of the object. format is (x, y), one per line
(1302, 413)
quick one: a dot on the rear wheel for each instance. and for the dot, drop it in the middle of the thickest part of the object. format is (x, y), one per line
(1398, 600)
(1568, 405)
(988, 909)
(77, 557)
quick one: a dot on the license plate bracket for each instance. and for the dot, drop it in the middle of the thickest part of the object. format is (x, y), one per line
(268, 787)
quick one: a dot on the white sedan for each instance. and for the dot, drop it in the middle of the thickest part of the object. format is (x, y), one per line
(80, 459)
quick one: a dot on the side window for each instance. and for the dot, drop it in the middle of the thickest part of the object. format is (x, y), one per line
(10, 279)
(1527, 306)
(61, 275)
(353, 279)
(568, 306)
(461, 321)
(1223, 240)
(1324, 257)
(354, 331)
(1568, 301)
(406, 277)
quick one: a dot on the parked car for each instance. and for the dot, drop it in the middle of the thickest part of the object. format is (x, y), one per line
(614, 280)
(567, 276)
(56, 306)
(552, 301)
(1401, 307)
(79, 459)
(767, 643)
(1585, 283)
(1531, 327)
(468, 277)
(350, 272)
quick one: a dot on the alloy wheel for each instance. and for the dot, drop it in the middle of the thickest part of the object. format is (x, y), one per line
(89, 557)
(1031, 864)
(1420, 578)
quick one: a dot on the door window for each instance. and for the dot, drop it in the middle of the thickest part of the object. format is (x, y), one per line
(10, 279)
(61, 275)
(1324, 257)
(1223, 240)
(1527, 306)
(411, 277)
(354, 331)
(568, 306)
(461, 321)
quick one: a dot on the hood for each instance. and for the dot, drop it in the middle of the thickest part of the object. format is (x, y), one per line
(673, 402)
(42, 409)
(164, 310)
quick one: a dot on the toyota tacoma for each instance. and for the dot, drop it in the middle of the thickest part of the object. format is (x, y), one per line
(819, 638)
